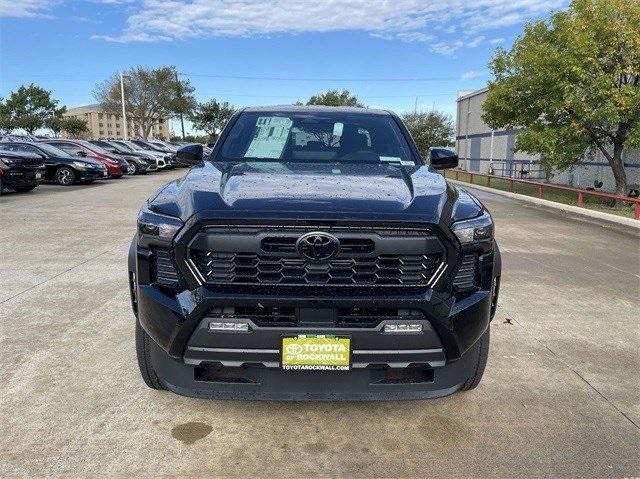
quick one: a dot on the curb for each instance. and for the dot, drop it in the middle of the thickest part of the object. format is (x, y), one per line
(584, 212)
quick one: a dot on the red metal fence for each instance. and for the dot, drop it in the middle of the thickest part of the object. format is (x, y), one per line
(541, 187)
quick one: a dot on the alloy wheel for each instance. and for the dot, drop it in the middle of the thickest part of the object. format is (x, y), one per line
(65, 176)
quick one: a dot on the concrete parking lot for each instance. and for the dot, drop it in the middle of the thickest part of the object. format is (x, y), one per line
(560, 396)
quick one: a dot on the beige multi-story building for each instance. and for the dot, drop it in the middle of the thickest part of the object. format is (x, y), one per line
(107, 125)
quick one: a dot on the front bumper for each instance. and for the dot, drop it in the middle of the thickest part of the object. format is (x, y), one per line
(91, 175)
(23, 176)
(116, 171)
(194, 361)
(253, 382)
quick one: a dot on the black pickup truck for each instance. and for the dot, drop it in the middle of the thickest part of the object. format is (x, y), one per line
(313, 255)
(20, 172)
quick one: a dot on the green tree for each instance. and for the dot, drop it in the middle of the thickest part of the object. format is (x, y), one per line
(192, 138)
(149, 95)
(74, 127)
(573, 84)
(6, 122)
(211, 117)
(56, 122)
(29, 107)
(335, 98)
(429, 129)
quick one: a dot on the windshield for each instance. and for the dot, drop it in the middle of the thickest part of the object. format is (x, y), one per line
(105, 145)
(53, 151)
(93, 147)
(322, 136)
(123, 145)
(145, 146)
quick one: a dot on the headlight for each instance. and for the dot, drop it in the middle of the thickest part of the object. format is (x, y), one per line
(155, 224)
(475, 229)
(8, 161)
(81, 165)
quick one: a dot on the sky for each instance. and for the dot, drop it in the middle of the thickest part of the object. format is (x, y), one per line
(393, 54)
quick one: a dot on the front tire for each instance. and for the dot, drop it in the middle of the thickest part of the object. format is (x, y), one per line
(480, 351)
(133, 168)
(65, 176)
(143, 352)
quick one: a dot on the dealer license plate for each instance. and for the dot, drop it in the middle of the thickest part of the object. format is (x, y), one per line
(316, 352)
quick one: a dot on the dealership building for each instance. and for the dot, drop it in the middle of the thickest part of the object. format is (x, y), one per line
(490, 151)
(106, 125)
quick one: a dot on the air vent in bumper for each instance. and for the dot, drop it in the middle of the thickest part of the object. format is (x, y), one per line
(466, 276)
(164, 272)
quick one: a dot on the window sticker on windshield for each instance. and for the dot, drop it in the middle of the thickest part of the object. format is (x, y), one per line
(270, 137)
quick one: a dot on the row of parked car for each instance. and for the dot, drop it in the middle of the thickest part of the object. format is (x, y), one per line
(25, 162)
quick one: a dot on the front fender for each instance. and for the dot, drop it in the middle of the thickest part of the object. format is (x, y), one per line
(497, 274)
(131, 261)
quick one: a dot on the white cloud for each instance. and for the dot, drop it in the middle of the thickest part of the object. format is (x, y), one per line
(25, 8)
(404, 20)
(473, 74)
(476, 41)
(447, 48)
(496, 41)
(406, 37)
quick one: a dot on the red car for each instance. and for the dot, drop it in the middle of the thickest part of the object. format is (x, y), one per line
(115, 166)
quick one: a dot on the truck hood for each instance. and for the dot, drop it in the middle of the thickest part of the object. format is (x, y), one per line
(329, 190)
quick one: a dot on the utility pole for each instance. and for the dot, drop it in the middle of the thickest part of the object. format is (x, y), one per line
(415, 108)
(124, 113)
(181, 118)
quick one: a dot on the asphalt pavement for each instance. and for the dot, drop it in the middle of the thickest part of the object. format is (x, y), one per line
(560, 396)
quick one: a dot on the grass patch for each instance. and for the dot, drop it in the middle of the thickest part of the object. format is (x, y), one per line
(559, 196)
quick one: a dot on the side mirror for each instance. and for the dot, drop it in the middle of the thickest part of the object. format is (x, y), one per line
(190, 154)
(81, 153)
(441, 158)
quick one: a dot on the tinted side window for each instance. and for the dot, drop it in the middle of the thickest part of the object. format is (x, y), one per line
(31, 149)
(69, 148)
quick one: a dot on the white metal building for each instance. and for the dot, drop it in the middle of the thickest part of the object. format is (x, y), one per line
(485, 150)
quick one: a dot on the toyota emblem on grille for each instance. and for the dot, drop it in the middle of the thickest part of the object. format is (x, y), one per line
(318, 247)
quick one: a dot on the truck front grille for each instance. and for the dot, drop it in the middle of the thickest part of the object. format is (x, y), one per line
(254, 269)
(267, 256)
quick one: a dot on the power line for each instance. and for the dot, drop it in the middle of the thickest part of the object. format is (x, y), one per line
(75, 78)
(219, 94)
(367, 79)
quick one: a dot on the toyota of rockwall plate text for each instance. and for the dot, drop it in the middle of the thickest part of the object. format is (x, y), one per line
(313, 255)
